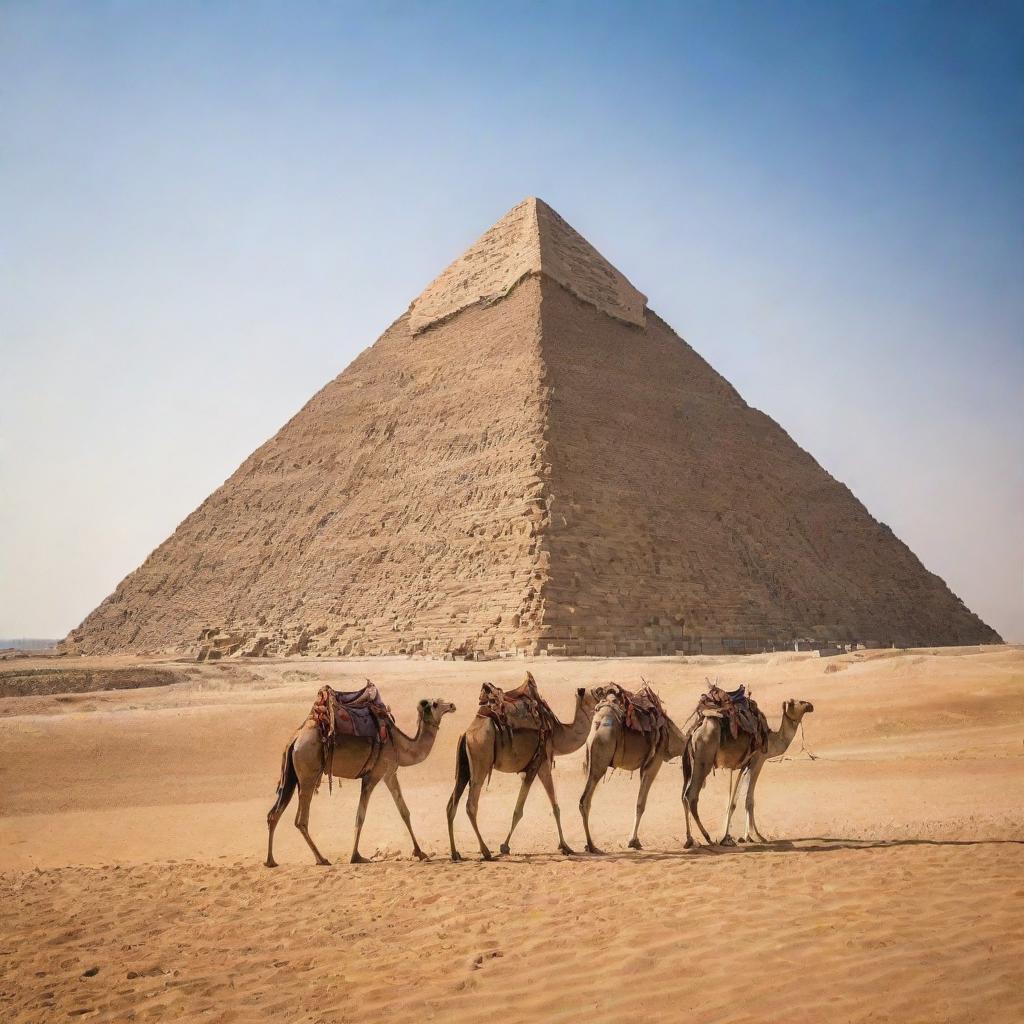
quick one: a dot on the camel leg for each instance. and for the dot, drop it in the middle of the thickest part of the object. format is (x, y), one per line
(746, 775)
(752, 832)
(734, 786)
(698, 774)
(544, 774)
(691, 806)
(687, 771)
(461, 781)
(391, 781)
(517, 814)
(285, 790)
(647, 777)
(689, 835)
(302, 819)
(472, 803)
(368, 785)
(600, 751)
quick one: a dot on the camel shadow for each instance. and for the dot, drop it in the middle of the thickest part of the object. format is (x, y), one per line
(829, 844)
(806, 844)
(579, 857)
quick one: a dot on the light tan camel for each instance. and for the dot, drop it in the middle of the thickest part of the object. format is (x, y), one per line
(611, 744)
(303, 768)
(706, 749)
(484, 748)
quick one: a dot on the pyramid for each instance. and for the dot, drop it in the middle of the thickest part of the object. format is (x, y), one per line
(528, 460)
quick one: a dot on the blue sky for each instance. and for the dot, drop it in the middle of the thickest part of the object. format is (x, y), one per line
(208, 210)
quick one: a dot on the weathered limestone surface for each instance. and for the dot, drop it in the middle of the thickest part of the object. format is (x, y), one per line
(398, 511)
(681, 519)
(529, 460)
(530, 239)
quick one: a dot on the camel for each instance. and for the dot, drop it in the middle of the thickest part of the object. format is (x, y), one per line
(611, 744)
(706, 749)
(353, 758)
(484, 748)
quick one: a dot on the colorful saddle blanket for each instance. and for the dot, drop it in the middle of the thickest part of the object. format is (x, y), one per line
(352, 713)
(738, 713)
(641, 711)
(521, 708)
(644, 710)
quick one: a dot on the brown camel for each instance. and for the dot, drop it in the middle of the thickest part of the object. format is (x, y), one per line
(612, 744)
(353, 758)
(484, 747)
(710, 746)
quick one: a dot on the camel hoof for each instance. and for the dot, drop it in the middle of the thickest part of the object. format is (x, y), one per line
(486, 855)
(270, 862)
(420, 855)
(591, 848)
(634, 844)
(323, 862)
(505, 849)
(727, 841)
(456, 856)
(567, 850)
(357, 858)
(689, 844)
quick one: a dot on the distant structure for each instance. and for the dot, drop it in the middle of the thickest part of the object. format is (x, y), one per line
(528, 460)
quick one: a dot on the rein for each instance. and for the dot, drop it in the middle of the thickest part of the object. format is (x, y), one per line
(804, 749)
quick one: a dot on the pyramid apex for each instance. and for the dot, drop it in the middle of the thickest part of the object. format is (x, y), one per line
(530, 240)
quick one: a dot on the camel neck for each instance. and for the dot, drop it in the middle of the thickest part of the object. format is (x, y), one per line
(676, 740)
(780, 739)
(568, 737)
(413, 749)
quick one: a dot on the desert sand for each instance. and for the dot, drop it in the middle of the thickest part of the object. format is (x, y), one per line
(132, 834)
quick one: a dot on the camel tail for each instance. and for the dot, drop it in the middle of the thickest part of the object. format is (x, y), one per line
(288, 782)
(687, 762)
(462, 763)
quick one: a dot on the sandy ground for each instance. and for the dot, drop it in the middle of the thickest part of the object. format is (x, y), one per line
(132, 835)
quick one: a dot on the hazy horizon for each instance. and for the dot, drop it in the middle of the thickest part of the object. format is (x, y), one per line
(209, 211)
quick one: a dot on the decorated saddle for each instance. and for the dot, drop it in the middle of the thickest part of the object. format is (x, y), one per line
(737, 711)
(352, 713)
(361, 713)
(521, 708)
(641, 711)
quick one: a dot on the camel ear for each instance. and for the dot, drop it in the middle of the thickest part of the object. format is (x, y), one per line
(424, 705)
(529, 678)
(581, 692)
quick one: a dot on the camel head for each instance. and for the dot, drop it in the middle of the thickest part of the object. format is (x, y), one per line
(796, 709)
(589, 698)
(432, 711)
